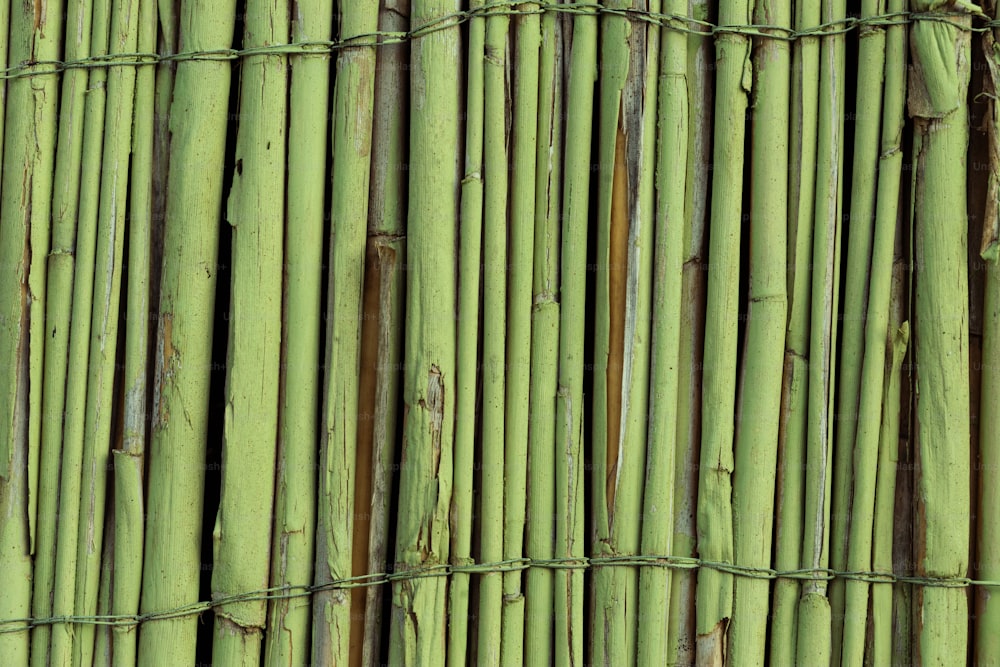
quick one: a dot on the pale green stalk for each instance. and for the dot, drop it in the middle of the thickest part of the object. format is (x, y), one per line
(25, 197)
(386, 263)
(419, 614)
(287, 638)
(868, 118)
(527, 35)
(351, 136)
(867, 470)
(101, 655)
(715, 520)
(813, 644)
(882, 528)
(987, 627)
(700, 65)
(758, 423)
(937, 103)
(184, 340)
(494, 366)
(622, 320)
(541, 459)
(570, 475)
(469, 268)
(78, 447)
(65, 200)
(668, 273)
(104, 334)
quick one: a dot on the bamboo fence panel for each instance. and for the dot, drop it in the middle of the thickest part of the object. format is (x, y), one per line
(460, 332)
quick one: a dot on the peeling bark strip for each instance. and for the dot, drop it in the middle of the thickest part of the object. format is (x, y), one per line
(419, 622)
(173, 530)
(938, 86)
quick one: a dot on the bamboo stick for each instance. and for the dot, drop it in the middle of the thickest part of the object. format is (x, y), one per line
(467, 370)
(384, 273)
(793, 436)
(568, 610)
(715, 521)
(622, 319)
(65, 202)
(256, 213)
(419, 605)
(184, 340)
(937, 105)
(351, 135)
(287, 638)
(758, 423)
(668, 273)
(540, 544)
(78, 447)
(526, 37)
(700, 65)
(494, 364)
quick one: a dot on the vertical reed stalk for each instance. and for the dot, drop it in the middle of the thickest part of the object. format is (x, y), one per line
(287, 639)
(494, 366)
(538, 646)
(569, 602)
(184, 340)
(526, 36)
(668, 273)
(419, 611)
(937, 103)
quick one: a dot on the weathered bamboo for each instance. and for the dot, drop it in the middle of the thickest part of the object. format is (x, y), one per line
(287, 638)
(568, 606)
(525, 36)
(65, 202)
(668, 273)
(184, 340)
(467, 371)
(418, 634)
(540, 543)
(715, 520)
(937, 104)
(256, 213)
(759, 411)
(625, 220)
(494, 363)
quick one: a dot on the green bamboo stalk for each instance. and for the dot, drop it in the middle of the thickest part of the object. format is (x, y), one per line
(65, 200)
(700, 65)
(937, 104)
(792, 439)
(813, 643)
(77, 447)
(868, 115)
(101, 656)
(568, 611)
(526, 36)
(882, 529)
(758, 425)
(540, 544)
(625, 220)
(469, 268)
(386, 261)
(668, 274)
(870, 418)
(256, 212)
(351, 137)
(111, 232)
(25, 196)
(184, 339)
(287, 639)
(715, 521)
(418, 633)
(494, 365)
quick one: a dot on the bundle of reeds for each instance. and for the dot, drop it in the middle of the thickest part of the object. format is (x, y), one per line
(432, 332)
